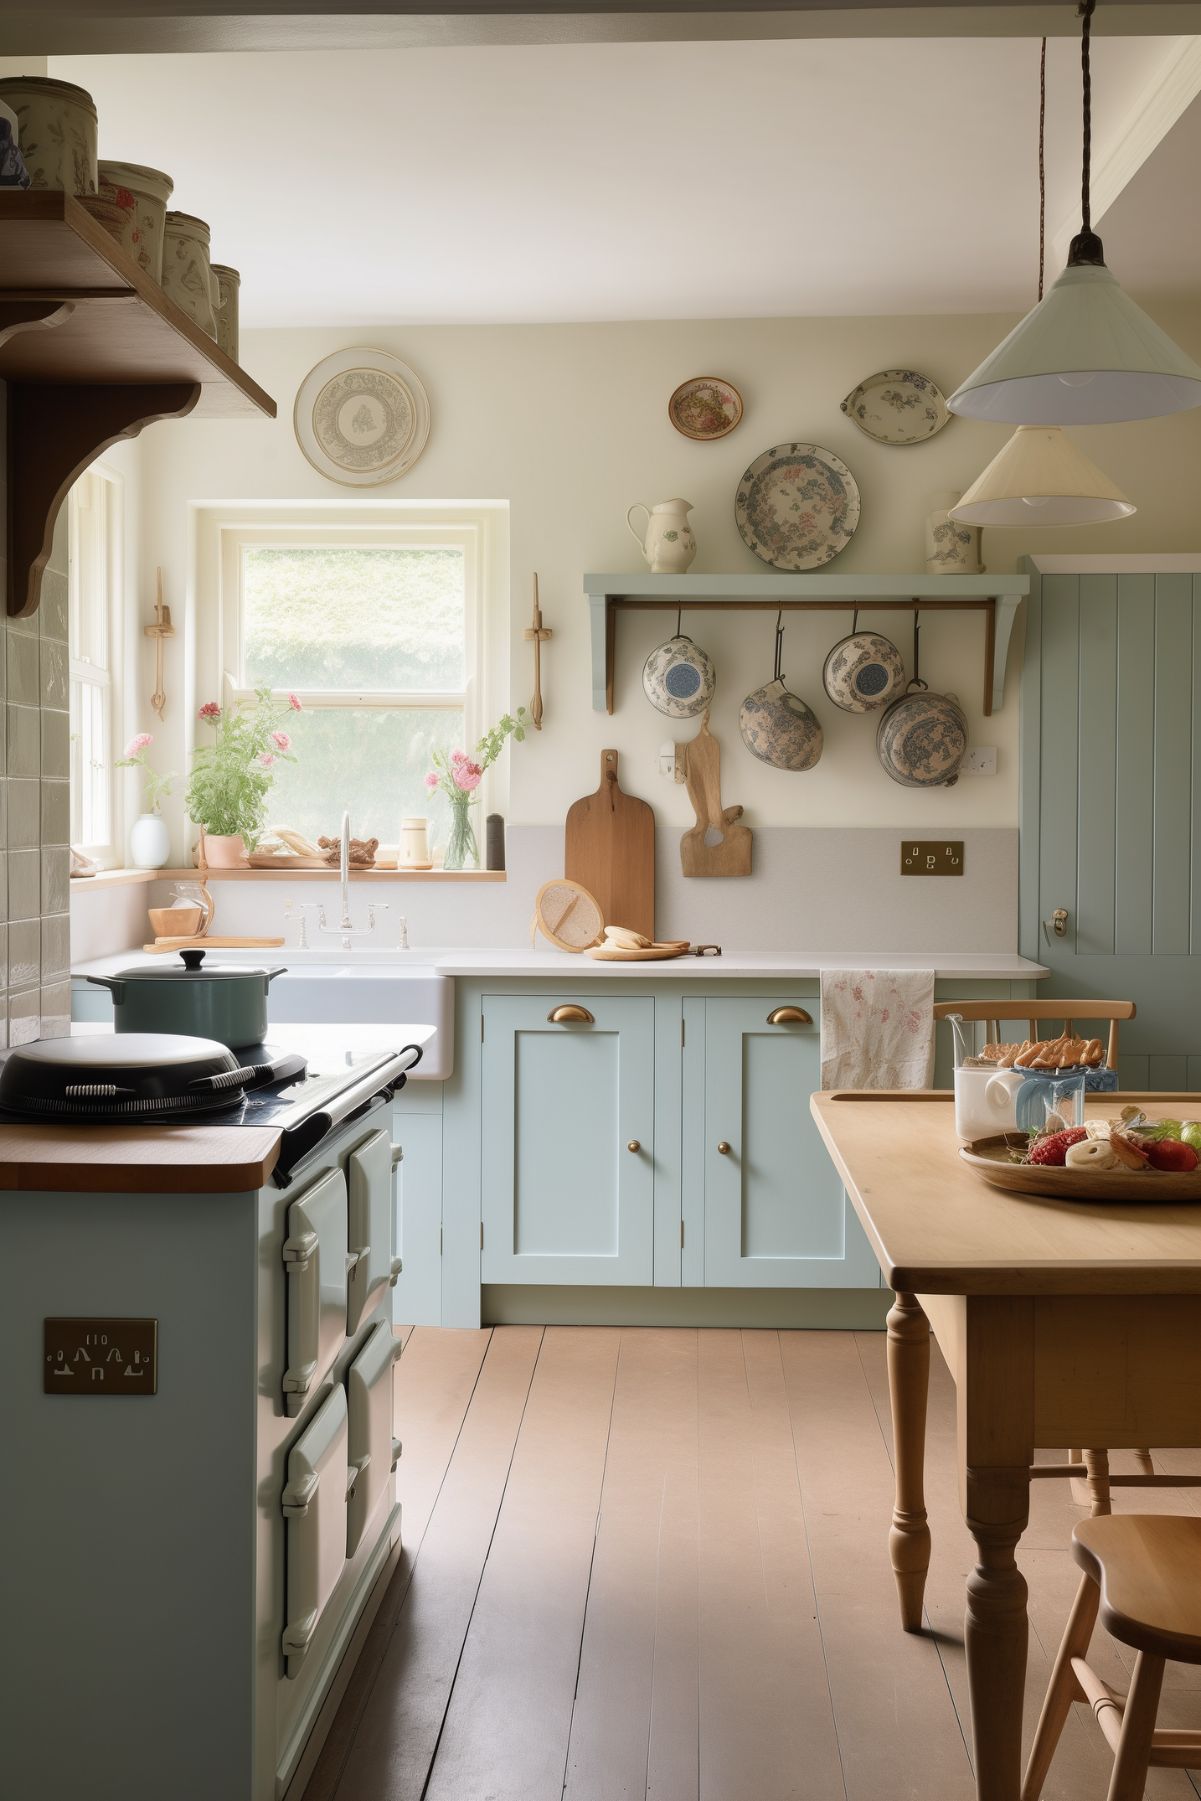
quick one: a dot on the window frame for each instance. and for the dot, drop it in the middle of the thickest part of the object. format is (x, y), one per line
(104, 679)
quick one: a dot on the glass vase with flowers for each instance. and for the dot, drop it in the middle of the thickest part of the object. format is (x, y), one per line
(458, 776)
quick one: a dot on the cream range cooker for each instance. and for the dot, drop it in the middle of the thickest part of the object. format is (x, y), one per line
(188, 1562)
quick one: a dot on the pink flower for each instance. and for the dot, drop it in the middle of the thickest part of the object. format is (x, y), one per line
(467, 775)
(281, 741)
(140, 741)
(294, 703)
(210, 710)
(431, 780)
(457, 756)
(266, 759)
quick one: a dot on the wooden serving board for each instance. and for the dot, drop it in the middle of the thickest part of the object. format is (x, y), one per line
(651, 953)
(989, 1157)
(213, 944)
(609, 848)
(717, 844)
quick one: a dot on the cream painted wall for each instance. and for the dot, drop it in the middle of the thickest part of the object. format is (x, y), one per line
(568, 424)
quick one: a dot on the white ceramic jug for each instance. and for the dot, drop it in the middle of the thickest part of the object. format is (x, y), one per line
(667, 543)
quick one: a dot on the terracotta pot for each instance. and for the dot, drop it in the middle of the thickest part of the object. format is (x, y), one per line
(187, 274)
(224, 852)
(142, 195)
(57, 123)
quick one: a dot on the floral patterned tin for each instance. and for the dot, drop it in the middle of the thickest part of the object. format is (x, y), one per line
(187, 276)
(57, 131)
(229, 283)
(679, 678)
(797, 506)
(142, 195)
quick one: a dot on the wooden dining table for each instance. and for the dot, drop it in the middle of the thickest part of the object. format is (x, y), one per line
(1062, 1324)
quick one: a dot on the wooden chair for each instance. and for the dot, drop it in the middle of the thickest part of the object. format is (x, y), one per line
(1089, 1470)
(1142, 1572)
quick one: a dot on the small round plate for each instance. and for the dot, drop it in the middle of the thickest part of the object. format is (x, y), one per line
(991, 1159)
(797, 506)
(362, 417)
(704, 408)
(897, 406)
(678, 678)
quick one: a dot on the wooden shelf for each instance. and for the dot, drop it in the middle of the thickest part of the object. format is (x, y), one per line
(996, 596)
(91, 351)
(114, 878)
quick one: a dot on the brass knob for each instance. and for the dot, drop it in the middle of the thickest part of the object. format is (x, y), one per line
(570, 1015)
(789, 1016)
(723, 1147)
(633, 1145)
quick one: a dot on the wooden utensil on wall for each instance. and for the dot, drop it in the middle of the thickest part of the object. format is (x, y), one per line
(609, 847)
(730, 852)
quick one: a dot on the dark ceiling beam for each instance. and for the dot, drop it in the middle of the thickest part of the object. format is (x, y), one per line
(73, 27)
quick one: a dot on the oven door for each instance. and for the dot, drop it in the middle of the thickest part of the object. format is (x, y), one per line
(373, 1266)
(315, 1258)
(314, 1505)
(373, 1450)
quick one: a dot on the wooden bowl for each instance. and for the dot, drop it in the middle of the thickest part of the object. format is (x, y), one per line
(989, 1157)
(175, 922)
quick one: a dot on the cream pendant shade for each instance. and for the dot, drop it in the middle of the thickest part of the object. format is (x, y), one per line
(1085, 355)
(1040, 478)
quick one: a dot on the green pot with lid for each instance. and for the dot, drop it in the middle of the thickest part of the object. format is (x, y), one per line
(226, 1002)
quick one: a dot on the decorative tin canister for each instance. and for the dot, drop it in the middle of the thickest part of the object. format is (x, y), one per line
(142, 195)
(187, 275)
(57, 131)
(228, 283)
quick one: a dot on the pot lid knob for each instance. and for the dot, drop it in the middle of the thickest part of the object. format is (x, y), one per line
(192, 960)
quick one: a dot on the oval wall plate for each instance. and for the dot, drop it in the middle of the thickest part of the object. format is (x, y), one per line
(897, 406)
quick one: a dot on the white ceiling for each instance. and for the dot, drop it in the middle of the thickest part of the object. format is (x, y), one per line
(627, 181)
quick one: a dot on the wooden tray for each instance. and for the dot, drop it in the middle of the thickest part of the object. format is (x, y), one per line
(653, 953)
(268, 859)
(213, 943)
(989, 1157)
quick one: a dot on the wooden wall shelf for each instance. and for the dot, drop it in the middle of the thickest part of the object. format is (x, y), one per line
(91, 351)
(996, 596)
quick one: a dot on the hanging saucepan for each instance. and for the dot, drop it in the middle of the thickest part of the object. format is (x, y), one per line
(776, 725)
(863, 671)
(678, 678)
(922, 738)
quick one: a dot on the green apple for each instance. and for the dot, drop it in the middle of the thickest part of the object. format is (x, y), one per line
(1190, 1132)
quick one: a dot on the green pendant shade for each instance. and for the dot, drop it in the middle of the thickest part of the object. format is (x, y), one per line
(1085, 355)
(1040, 478)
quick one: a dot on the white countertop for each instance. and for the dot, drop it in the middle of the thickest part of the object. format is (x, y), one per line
(948, 966)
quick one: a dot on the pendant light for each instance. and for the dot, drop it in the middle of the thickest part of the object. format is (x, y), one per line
(1086, 354)
(1040, 477)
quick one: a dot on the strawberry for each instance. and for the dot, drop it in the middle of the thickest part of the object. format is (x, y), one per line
(1053, 1149)
(1172, 1154)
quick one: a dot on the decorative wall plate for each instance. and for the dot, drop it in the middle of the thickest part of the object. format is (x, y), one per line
(361, 417)
(679, 678)
(863, 671)
(897, 406)
(797, 506)
(704, 408)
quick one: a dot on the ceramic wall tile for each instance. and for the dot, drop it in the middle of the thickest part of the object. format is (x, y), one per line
(24, 884)
(56, 744)
(56, 879)
(24, 752)
(51, 616)
(24, 952)
(56, 1009)
(3, 1021)
(56, 812)
(55, 678)
(24, 815)
(23, 682)
(3, 967)
(56, 947)
(24, 1016)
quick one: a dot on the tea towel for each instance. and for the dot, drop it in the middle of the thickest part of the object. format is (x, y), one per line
(877, 1028)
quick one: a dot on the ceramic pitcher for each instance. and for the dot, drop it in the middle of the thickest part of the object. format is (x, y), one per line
(667, 542)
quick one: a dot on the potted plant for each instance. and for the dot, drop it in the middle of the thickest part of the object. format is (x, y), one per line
(231, 777)
(458, 777)
(149, 844)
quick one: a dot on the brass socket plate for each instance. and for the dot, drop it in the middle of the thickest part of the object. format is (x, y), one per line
(100, 1356)
(932, 856)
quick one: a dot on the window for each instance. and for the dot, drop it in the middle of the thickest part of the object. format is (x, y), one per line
(375, 630)
(95, 583)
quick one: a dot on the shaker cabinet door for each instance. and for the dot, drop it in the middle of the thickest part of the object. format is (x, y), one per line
(315, 1258)
(372, 1449)
(776, 1215)
(369, 1173)
(568, 1139)
(314, 1506)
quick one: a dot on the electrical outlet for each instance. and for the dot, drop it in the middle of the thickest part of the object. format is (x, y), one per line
(980, 760)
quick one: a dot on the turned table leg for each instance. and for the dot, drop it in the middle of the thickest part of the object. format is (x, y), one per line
(996, 1630)
(908, 1387)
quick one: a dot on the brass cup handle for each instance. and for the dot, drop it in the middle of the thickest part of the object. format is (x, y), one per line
(723, 1147)
(570, 1015)
(633, 1145)
(789, 1016)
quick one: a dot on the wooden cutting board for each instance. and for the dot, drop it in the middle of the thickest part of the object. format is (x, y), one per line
(609, 847)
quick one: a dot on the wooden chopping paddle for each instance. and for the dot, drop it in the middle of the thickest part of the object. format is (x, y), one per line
(609, 847)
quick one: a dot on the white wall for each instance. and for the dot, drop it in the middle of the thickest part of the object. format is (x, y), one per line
(568, 424)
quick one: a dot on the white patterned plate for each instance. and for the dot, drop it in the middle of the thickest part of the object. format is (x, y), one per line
(897, 406)
(362, 417)
(797, 506)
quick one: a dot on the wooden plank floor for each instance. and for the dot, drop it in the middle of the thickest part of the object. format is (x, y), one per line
(652, 1565)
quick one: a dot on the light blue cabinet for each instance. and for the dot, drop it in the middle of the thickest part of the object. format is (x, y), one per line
(775, 1214)
(417, 1230)
(567, 1139)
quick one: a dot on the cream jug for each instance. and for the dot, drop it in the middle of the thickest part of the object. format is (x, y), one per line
(668, 543)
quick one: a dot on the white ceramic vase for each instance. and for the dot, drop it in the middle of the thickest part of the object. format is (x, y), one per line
(667, 542)
(951, 548)
(149, 843)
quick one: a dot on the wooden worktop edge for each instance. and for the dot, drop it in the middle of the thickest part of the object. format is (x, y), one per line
(148, 1160)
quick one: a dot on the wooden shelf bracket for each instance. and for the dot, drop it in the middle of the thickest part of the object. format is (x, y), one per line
(51, 434)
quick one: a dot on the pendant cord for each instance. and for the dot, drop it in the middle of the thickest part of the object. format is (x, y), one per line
(1042, 168)
(1086, 75)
